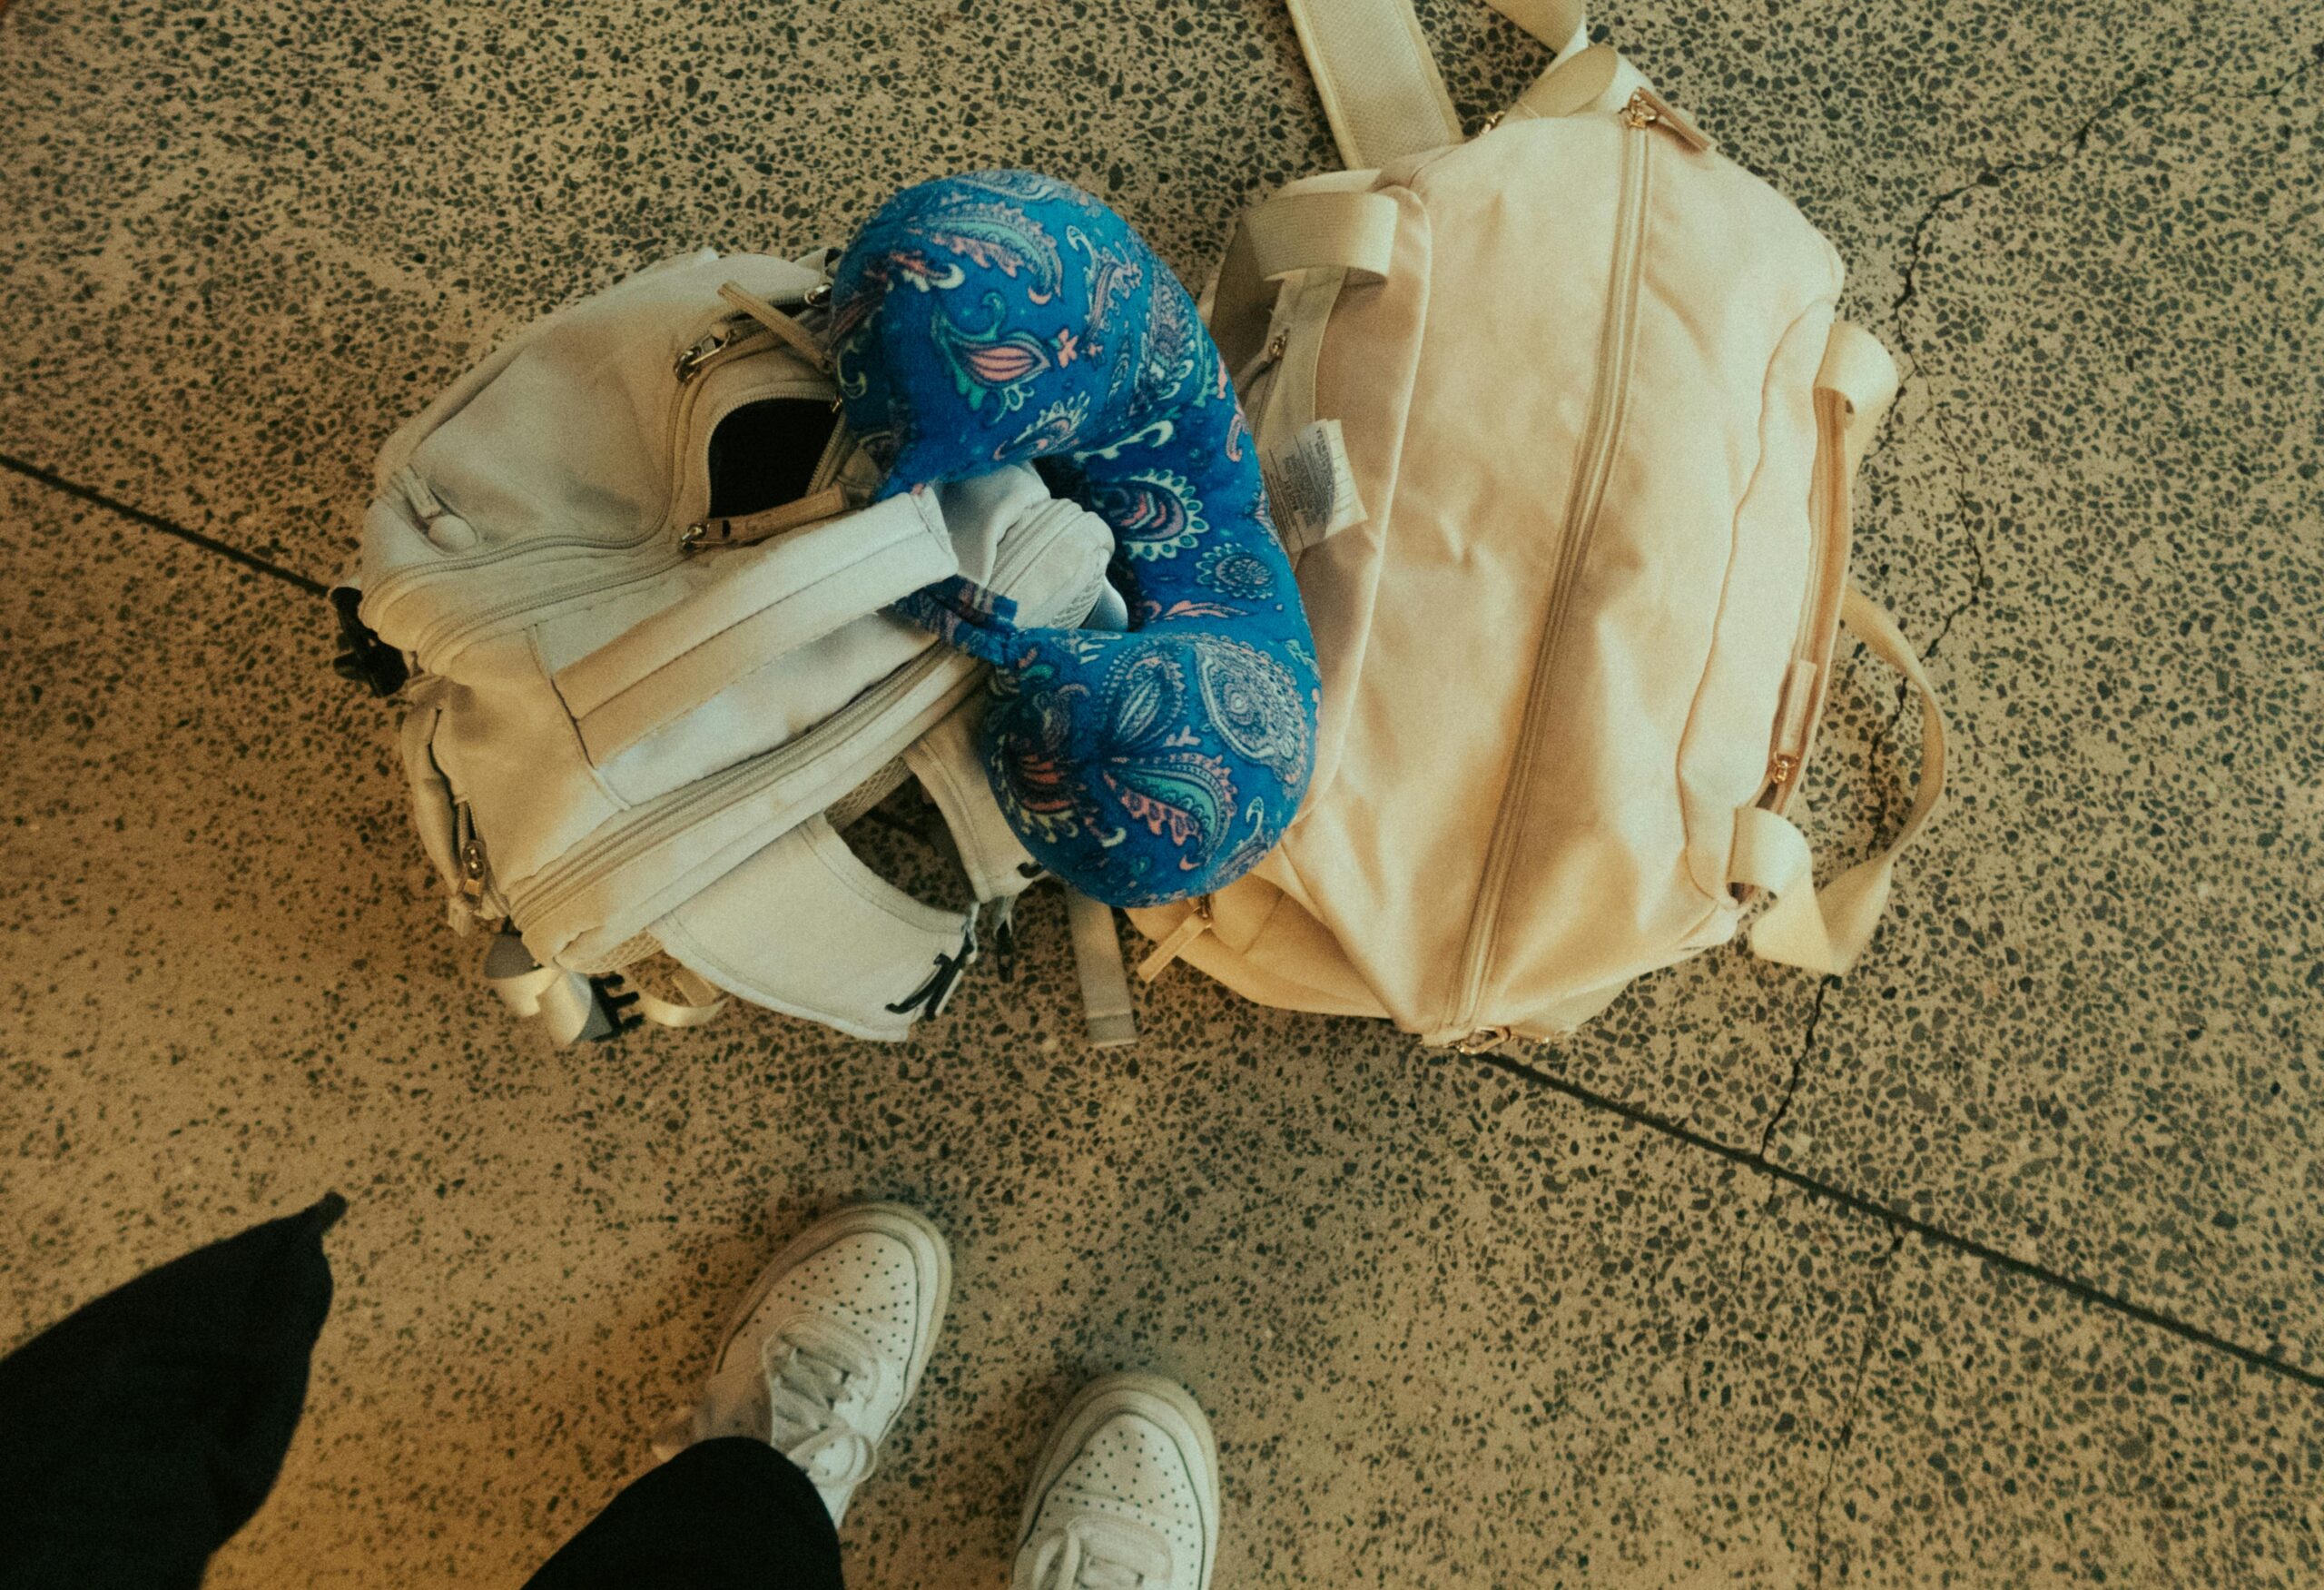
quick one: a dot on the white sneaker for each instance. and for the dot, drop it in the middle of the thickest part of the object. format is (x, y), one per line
(1126, 1496)
(828, 1348)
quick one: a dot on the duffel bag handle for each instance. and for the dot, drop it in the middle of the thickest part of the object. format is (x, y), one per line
(1825, 930)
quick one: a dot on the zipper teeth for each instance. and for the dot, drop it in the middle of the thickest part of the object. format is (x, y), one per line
(828, 465)
(740, 781)
(747, 339)
(1831, 482)
(1608, 400)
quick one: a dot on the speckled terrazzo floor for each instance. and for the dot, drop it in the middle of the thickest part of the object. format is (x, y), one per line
(1456, 1325)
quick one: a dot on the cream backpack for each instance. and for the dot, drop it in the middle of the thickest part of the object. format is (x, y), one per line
(1560, 426)
(622, 578)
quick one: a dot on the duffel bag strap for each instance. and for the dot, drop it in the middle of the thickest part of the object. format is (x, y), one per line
(1327, 223)
(1590, 81)
(1377, 77)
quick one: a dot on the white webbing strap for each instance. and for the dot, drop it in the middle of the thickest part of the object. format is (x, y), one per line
(698, 1002)
(566, 1004)
(1328, 222)
(946, 763)
(1356, 232)
(1105, 986)
(766, 602)
(1556, 23)
(1825, 930)
(1377, 79)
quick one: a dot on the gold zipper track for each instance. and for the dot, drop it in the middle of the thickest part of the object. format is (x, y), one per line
(1608, 396)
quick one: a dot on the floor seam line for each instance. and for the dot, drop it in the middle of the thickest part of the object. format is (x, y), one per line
(1897, 1219)
(154, 521)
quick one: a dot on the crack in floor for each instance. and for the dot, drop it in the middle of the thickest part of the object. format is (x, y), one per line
(1908, 294)
(2315, 59)
(2273, 1359)
(1991, 176)
(1874, 1327)
(1916, 255)
(1799, 1067)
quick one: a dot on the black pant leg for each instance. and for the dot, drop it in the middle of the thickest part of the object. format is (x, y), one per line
(731, 1511)
(139, 1433)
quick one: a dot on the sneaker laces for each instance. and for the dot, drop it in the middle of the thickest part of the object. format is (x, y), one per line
(812, 1367)
(1097, 1551)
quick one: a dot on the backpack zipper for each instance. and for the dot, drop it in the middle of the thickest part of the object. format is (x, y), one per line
(730, 337)
(1608, 400)
(469, 625)
(825, 497)
(705, 796)
(727, 340)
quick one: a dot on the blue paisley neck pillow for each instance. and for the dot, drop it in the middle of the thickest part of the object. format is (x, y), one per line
(1000, 317)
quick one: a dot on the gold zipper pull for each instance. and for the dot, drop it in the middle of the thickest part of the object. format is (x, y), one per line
(1647, 108)
(470, 847)
(1483, 1040)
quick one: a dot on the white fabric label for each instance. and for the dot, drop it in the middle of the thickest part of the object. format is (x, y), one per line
(1310, 485)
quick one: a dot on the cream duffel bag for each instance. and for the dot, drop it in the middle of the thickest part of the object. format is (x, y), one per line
(1560, 426)
(650, 676)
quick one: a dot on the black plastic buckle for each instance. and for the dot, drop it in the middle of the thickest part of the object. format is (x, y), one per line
(365, 658)
(613, 1016)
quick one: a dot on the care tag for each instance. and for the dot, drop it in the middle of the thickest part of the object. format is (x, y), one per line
(1310, 485)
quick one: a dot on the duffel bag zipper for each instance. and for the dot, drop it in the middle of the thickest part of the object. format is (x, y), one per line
(683, 808)
(1608, 398)
(1806, 681)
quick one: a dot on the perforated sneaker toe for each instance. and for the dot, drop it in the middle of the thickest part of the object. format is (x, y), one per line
(828, 1347)
(1127, 1494)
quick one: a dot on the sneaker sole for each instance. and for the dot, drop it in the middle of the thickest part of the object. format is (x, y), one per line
(1164, 1404)
(905, 1224)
